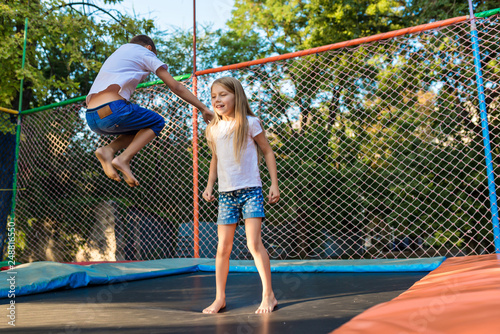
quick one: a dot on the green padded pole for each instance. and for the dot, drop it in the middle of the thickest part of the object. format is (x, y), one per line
(82, 98)
(488, 13)
(18, 130)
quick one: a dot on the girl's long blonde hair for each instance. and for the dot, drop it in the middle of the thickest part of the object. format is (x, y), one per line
(241, 111)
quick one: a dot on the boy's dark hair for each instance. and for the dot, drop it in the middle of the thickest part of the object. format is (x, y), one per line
(144, 41)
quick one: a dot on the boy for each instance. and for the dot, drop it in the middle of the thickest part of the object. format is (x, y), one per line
(110, 113)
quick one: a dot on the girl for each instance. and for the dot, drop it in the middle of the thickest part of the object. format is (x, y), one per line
(235, 136)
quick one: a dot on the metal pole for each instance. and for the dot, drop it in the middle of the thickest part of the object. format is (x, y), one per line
(18, 136)
(486, 134)
(196, 207)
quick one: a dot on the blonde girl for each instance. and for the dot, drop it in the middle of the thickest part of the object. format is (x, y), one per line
(237, 139)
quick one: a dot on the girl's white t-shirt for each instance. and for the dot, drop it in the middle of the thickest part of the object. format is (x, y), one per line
(231, 174)
(126, 67)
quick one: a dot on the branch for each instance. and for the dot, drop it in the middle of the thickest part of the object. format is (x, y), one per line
(92, 5)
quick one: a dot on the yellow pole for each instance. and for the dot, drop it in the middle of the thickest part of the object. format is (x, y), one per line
(10, 111)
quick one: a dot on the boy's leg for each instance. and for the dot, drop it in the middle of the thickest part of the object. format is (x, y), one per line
(261, 259)
(226, 235)
(122, 162)
(105, 154)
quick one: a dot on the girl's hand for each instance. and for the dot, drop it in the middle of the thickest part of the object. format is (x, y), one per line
(274, 194)
(208, 196)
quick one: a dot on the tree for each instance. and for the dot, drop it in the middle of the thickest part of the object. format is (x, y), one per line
(176, 49)
(67, 43)
(424, 11)
(382, 104)
(386, 128)
(293, 25)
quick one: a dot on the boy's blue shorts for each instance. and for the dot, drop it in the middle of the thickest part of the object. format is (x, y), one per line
(125, 118)
(248, 201)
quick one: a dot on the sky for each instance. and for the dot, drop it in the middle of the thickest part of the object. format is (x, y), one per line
(170, 14)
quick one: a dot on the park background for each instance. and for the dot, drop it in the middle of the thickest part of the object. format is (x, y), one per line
(423, 189)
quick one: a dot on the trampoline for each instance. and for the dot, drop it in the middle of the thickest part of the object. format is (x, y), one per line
(319, 295)
(173, 304)
(459, 295)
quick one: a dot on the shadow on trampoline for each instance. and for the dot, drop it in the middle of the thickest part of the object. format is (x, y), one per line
(173, 304)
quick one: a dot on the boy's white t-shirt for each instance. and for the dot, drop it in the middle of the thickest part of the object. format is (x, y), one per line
(127, 67)
(231, 174)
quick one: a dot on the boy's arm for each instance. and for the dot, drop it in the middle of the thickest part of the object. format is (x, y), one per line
(261, 140)
(178, 89)
(212, 177)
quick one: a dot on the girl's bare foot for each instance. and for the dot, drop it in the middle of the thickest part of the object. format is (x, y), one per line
(216, 306)
(124, 167)
(105, 156)
(268, 304)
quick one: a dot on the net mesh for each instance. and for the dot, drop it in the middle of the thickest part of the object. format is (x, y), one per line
(379, 153)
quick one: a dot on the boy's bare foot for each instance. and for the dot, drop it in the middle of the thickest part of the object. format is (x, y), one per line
(105, 156)
(268, 304)
(216, 306)
(124, 167)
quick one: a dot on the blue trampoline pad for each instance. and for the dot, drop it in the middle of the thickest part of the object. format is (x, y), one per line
(40, 277)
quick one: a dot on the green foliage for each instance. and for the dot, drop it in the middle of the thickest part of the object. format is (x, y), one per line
(424, 11)
(175, 48)
(381, 130)
(231, 49)
(66, 45)
(287, 26)
(7, 125)
(389, 129)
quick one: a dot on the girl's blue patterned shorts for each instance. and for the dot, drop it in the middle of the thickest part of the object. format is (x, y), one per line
(248, 201)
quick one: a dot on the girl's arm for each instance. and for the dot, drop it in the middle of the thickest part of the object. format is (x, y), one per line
(274, 192)
(212, 177)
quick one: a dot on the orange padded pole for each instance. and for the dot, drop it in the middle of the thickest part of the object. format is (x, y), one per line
(339, 45)
(196, 204)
